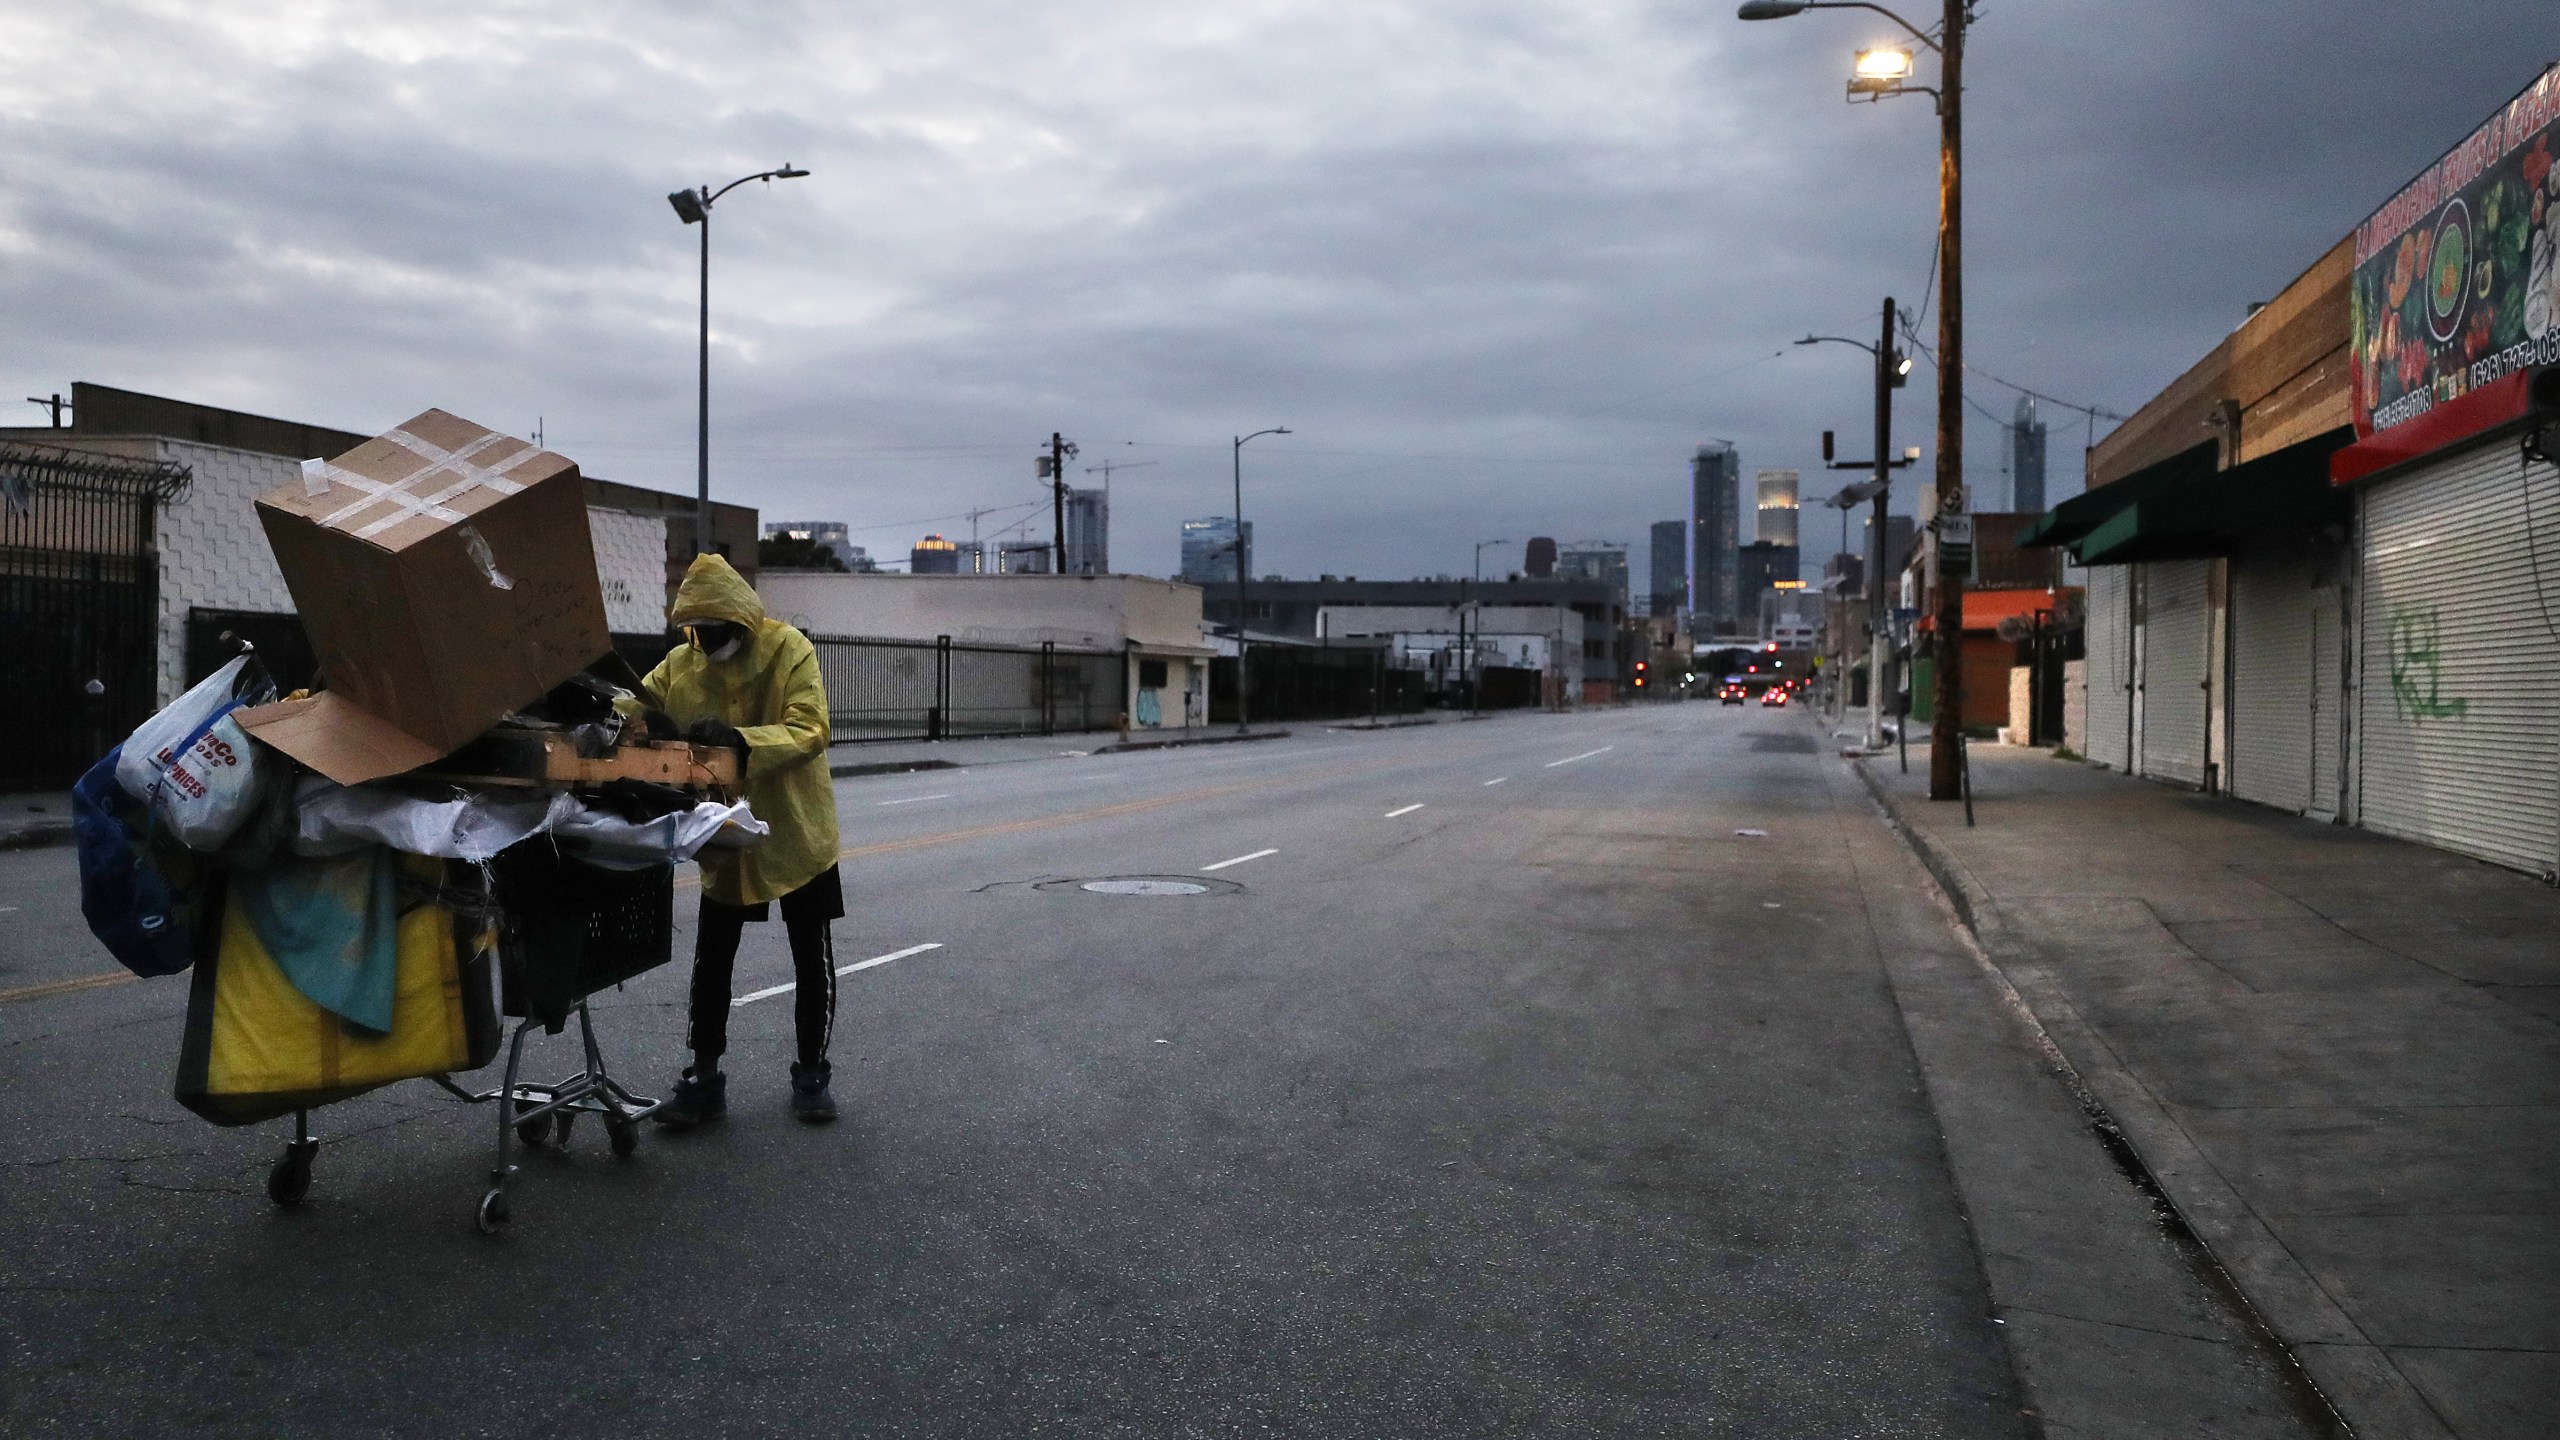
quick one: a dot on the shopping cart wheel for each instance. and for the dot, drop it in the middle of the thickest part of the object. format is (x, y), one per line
(561, 1120)
(529, 1133)
(624, 1134)
(289, 1179)
(493, 1212)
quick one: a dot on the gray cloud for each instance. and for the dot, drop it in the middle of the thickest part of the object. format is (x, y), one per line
(1499, 264)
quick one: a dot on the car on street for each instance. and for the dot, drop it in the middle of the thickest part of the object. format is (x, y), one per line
(1730, 695)
(1776, 697)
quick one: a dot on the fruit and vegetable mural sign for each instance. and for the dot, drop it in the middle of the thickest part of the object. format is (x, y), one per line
(2457, 280)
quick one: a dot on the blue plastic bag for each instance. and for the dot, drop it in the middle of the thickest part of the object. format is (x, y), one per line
(130, 904)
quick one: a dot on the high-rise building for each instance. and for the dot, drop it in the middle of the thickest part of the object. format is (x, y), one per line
(1209, 550)
(1669, 583)
(934, 555)
(1539, 561)
(830, 535)
(1715, 480)
(1024, 557)
(1775, 508)
(1088, 532)
(2026, 458)
(1761, 567)
(1601, 560)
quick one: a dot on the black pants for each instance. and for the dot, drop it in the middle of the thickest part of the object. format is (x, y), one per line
(807, 916)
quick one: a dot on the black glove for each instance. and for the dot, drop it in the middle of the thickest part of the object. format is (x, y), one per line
(720, 732)
(639, 801)
(660, 725)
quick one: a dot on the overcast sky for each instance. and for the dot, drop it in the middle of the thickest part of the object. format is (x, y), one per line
(1500, 264)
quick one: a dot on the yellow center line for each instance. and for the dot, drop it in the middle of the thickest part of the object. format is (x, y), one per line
(64, 987)
(1073, 817)
(887, 847)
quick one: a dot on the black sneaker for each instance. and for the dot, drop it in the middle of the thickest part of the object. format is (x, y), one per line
(809, 1098)
(693, 1101)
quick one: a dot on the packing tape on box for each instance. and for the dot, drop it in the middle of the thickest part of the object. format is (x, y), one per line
(404, 495)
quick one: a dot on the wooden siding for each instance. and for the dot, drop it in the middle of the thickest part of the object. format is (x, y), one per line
(2285, 367)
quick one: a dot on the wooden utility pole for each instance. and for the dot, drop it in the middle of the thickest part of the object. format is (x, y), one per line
(1946, 719)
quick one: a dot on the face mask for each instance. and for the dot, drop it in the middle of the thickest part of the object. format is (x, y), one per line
(716, 639)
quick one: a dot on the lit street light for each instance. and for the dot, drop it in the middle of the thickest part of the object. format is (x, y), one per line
(693, 207)
(1243, 683)
(1880, 73)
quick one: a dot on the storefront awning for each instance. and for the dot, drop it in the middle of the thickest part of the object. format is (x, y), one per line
(2067, 522)
(2207, 515)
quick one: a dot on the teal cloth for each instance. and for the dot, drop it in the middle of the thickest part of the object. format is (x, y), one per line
(333, 927)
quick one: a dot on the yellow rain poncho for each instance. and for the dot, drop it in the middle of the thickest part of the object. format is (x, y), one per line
(771, 692)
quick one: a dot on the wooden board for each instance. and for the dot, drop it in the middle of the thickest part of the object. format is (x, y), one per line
(551, 758)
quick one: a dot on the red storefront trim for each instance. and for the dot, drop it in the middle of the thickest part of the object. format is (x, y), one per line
(2497, 403)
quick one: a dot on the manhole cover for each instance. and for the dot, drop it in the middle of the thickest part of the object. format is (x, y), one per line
(1174, 885)
(1144, 887)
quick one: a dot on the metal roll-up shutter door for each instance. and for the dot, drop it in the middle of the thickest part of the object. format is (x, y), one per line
(2458, 723)
(2175, 643)
(2271, 751)
(2107, 640)
(2329, 703)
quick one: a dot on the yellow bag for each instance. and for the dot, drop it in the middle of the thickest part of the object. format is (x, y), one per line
(256, 1048)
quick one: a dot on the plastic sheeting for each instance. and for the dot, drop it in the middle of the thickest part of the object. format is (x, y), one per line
(474, 825)
(332, 819)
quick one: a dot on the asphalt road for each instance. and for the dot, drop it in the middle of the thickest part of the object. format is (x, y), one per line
(1509, 1088)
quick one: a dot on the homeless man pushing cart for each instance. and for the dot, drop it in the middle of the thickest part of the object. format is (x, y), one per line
(750, 682)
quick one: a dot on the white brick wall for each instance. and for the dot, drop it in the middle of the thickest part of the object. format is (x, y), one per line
(631, 560)
(214, 554)
(212, 551)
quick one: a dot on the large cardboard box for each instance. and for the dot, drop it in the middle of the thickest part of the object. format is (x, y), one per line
(445, 575)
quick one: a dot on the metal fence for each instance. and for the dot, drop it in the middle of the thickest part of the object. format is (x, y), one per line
(939, 689)
(79, 591)
(1305, 682)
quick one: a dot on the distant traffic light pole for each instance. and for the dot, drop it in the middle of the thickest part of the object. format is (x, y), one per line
(693, 207)
(1474, 672)
(1244, 684)
(1891, 367)
(1879, 73)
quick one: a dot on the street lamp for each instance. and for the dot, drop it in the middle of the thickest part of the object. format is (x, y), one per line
(1946, 728)
(693, 207)
(1244, 684)
(1470, 671)
(1891, 366)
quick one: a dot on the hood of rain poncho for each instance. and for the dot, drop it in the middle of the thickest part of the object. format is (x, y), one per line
(714, 590)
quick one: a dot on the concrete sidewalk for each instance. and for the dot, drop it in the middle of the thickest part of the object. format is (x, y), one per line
(2337, 1054)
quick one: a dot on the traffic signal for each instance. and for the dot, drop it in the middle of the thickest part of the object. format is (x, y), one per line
(1639, 674)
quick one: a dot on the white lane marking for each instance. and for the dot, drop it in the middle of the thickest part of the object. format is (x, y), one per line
(770, 991)
(1409, 809)
(1256, 855)
(1498, 779)
(914, 799)
(1585, 755)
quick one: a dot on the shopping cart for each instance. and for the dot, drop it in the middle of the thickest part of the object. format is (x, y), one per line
(565, 931)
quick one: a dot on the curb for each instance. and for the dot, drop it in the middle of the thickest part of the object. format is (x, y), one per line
(36, 836)
(889, 767)
(1127, 746)
(2222, 1237)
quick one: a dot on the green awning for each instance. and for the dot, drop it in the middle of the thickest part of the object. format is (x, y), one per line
(2207, 515)
(2065, 523)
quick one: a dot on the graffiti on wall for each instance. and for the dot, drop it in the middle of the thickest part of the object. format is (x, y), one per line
(2417, 678)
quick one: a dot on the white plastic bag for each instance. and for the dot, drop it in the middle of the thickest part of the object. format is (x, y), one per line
(332, 819)
(193, 766)
(604, 839)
